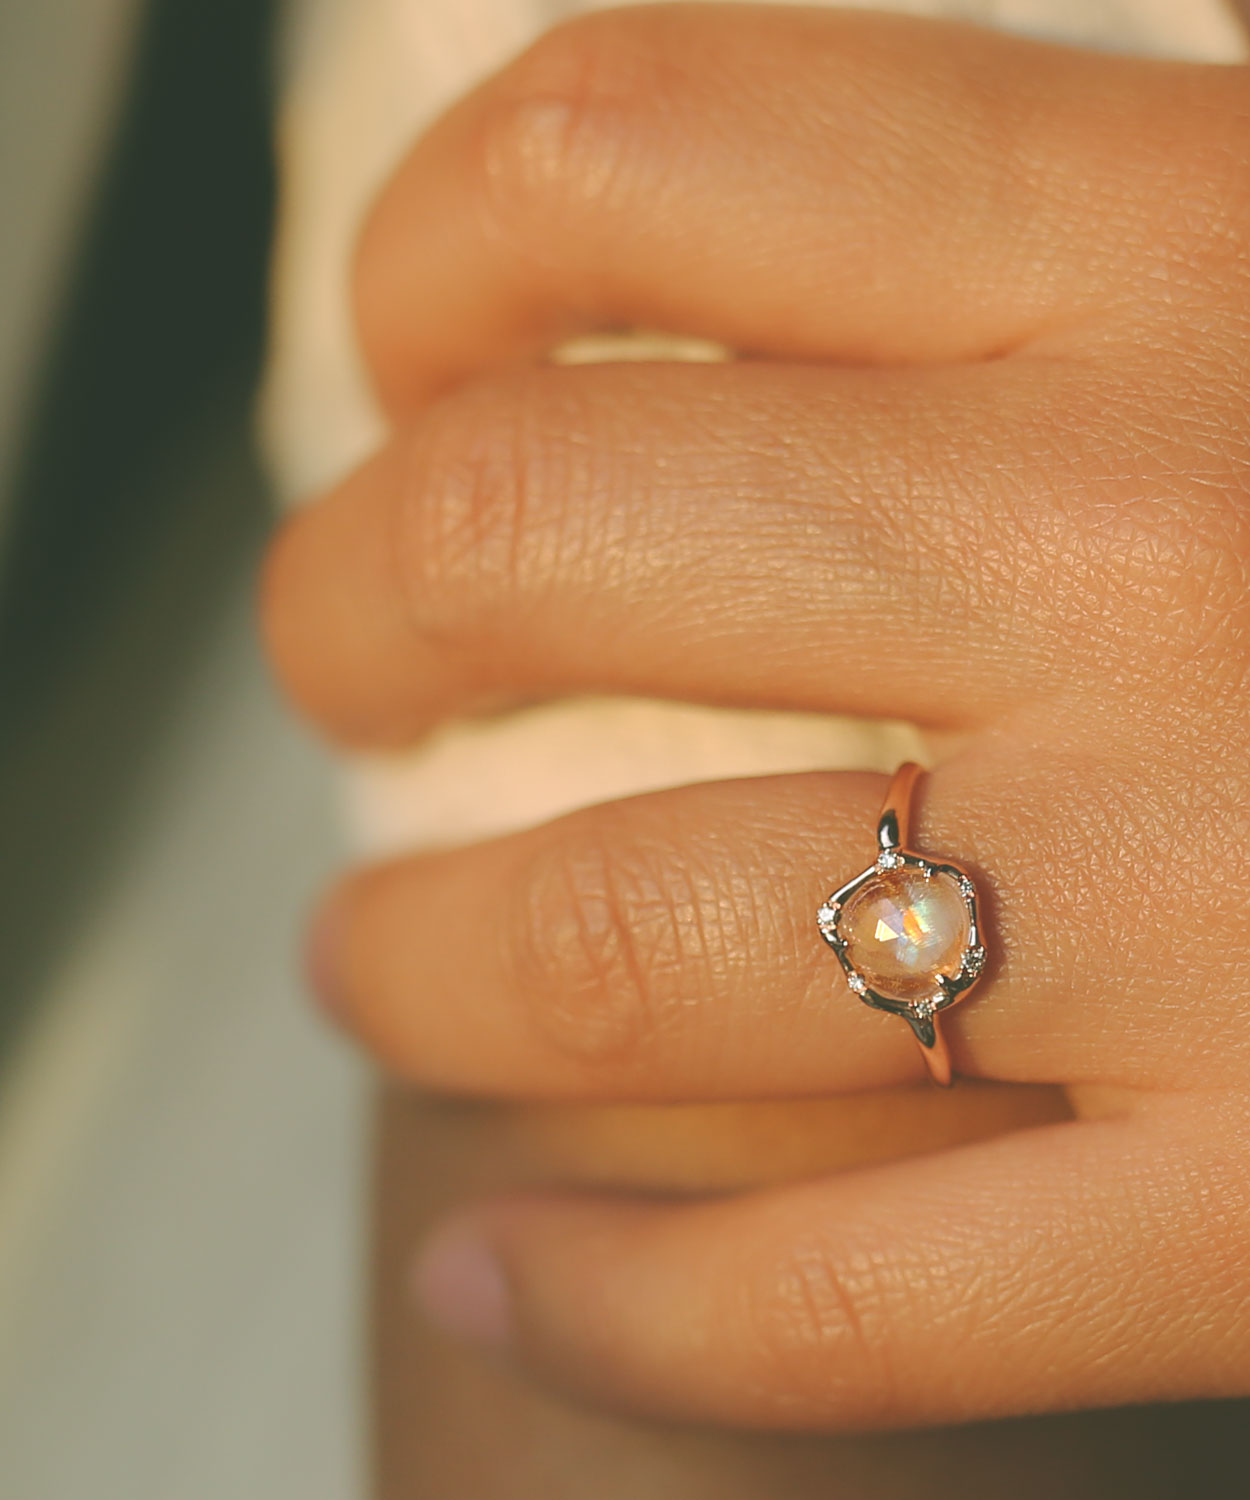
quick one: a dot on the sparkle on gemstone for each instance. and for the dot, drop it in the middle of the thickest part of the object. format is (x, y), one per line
(902, 930)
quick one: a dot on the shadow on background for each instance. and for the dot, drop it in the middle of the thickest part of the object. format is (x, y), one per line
(138, 493)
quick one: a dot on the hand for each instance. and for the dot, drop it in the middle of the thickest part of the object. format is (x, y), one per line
(985, 468)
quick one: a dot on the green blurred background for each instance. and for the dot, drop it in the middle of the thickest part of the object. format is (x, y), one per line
(132, 486)
(180, 1144)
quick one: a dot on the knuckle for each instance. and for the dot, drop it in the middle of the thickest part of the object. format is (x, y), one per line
(822, 1322)
(1149, 541)
(603, 944)
(483, 507)
(1169, 573)
(560, 131)
(577, 952)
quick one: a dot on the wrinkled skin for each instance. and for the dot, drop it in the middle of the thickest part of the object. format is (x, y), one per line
(983, 465)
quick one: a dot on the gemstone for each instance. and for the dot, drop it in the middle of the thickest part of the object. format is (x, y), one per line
(902, 931)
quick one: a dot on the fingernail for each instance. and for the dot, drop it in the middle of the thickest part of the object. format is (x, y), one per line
(460, 1286)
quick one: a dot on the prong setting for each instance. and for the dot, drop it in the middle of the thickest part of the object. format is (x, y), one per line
(951, 988)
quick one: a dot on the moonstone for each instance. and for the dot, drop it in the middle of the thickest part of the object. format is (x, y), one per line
(903, 930)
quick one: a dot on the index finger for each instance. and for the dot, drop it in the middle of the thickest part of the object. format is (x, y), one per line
(941, 193)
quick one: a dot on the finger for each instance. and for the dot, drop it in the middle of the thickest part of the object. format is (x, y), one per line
(665, 947)
(887, 544)
(1072, 1266)
(790, 181)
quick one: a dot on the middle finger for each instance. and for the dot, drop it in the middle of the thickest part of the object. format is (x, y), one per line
(884, 543)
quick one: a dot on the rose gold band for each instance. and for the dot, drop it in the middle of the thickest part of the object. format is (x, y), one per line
(894, 822)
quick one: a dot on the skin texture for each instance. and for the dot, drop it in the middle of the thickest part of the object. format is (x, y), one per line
(431, 1392)
(984, 455)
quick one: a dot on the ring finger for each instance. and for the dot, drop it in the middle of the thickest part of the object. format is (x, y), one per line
(666, 948)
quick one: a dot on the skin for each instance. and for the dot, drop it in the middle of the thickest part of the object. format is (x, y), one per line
(982, 464)
(431, 1442)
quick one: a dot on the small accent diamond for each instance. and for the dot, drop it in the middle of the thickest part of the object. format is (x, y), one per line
(966, 886)
(827, 918)
(974, 960)
(888, 860)
(856, 983)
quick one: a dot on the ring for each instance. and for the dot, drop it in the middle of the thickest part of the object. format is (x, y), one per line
(906, 930)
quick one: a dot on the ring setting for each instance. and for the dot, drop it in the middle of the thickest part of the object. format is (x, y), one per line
(907, 930)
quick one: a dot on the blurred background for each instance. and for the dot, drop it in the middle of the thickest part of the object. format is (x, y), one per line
(181, 1145)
